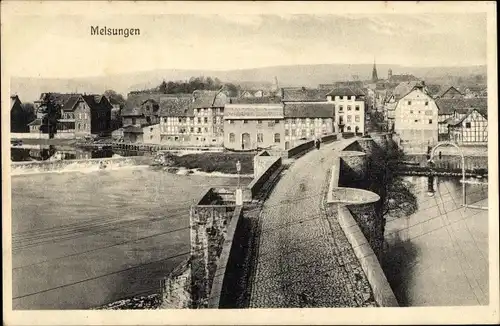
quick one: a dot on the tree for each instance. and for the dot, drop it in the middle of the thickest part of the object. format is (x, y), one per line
(163, 87)
(397, 198)
(232, 89)
(115, 97)
(20, 115)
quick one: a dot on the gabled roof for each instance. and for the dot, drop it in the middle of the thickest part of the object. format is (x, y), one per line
(176, 107)
(94, 101)
(309, 110)
(71, 102)
(448, 106)
(449, 89)
(456, 121)
(403, 89)
(97, 102)
(302, 94)
(346, 91)
(208, 99)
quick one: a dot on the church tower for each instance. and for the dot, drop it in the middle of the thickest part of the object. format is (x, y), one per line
(374, 73)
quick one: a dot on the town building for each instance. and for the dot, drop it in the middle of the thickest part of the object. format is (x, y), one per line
(140, 110)
(72, 115)
(194, 121)
(416, 119)
(349, 109)
(471, 129)
(452, 110)
(279, 126)
(85, 115)
(254, 126)
(307, 121)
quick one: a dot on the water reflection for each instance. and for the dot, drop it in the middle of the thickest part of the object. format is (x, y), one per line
(439, 255)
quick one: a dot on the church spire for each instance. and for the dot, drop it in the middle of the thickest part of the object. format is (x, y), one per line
(374, 72)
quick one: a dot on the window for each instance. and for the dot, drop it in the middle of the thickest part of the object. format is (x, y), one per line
(430, 121)
(311, 132)
(259, 122)
(416, 120)
(206, 129)
(180, 120)
(276, 121)
(349, 118)
(277, 138)
(411, 111)
(205, 120)
(199, 120)
(270, 124)
(260, 138)
(426, 103)
(341, 108)
(191, 129)
(134, 121)
(287, 132)
(348, 108)
(467, 125)
(409, 102)
(356, 118)
(293, 132)
(245, 121)
(231, 138)
(199, 130)
(348, 128)
(304, 132)
(357, 107)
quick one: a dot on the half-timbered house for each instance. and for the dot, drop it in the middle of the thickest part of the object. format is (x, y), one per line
(471, 129)
(450, 110)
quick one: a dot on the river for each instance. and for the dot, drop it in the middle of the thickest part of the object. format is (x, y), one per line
(82, 240)
(439, 255)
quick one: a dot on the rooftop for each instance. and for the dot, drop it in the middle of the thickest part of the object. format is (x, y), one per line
(302, 94)
(309, 110)
(448, 106)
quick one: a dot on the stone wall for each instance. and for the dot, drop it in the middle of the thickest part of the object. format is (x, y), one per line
(261, 162)
(208, 224)
(260, 180)
(362, 224)
(307, 146)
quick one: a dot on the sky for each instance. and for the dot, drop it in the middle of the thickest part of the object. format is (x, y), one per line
(61, 46)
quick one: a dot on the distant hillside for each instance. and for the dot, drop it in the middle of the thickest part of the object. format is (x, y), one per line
(29, 89)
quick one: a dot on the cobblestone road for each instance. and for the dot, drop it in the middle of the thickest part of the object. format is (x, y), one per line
(303, 260)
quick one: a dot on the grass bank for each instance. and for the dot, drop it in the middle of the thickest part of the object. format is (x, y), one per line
(212, 162)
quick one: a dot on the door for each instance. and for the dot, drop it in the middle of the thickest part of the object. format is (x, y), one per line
(245, 141)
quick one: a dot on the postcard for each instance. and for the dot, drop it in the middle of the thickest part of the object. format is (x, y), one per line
(249, 162)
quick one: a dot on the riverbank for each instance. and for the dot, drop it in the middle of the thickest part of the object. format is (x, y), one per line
(209, 162)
